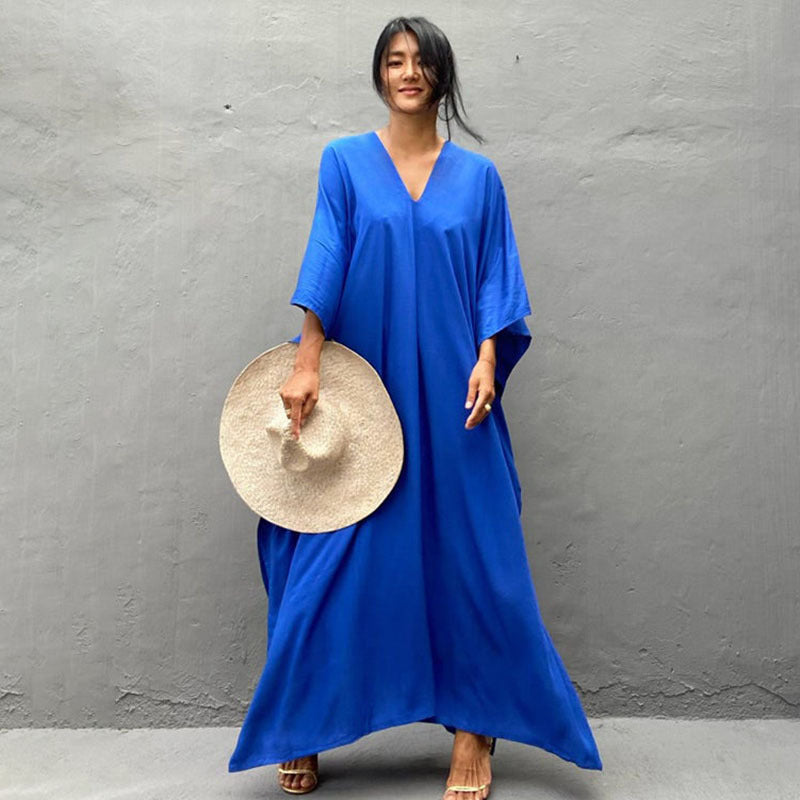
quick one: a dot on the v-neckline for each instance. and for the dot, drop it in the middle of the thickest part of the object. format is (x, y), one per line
(399, 178)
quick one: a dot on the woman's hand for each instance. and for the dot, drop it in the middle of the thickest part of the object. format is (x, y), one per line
(481, 384)
(300, 393)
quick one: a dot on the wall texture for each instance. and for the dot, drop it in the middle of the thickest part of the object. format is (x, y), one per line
(158, 175)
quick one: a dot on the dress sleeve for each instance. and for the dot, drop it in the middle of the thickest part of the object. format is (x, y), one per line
(322, 272)
(502, 298)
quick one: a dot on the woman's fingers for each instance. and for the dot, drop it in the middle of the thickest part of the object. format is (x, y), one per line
(485, 395)
(299, 395)
(295, 412)
(480, 391)
(472, 390)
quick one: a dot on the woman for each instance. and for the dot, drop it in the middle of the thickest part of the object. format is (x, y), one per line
(424, 610)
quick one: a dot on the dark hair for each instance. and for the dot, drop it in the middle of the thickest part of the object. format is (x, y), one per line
(438, 64)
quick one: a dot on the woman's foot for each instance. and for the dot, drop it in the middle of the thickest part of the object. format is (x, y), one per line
(303, 781)
(470, 765)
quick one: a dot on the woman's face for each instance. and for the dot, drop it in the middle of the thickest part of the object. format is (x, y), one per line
(404, 83)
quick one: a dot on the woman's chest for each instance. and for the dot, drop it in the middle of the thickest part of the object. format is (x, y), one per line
(438, 215)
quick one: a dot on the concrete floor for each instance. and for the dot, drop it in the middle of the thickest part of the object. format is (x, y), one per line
(643, 759)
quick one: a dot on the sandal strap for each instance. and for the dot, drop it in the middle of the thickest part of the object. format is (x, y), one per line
(297, 771)
(456, 788)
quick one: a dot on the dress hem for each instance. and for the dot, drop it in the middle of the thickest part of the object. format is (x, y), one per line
(262, 761)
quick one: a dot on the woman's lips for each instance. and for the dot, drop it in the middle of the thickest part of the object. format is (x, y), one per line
(410, 91)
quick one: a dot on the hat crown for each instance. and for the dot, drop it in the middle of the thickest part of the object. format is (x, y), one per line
(322, 440)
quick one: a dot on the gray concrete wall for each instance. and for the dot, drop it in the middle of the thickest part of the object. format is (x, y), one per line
(157, 186)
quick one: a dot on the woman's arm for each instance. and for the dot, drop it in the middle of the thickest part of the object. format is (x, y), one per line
(488, 350)
(310, 345)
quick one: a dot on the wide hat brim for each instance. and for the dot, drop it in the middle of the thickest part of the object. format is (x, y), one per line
(321, 500)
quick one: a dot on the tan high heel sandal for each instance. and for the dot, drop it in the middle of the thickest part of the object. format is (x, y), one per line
(457, 788)
(299, 771)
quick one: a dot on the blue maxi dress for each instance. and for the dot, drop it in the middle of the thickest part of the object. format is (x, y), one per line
(425, 610)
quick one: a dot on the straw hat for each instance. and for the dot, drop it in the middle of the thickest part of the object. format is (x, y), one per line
(347, 458)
